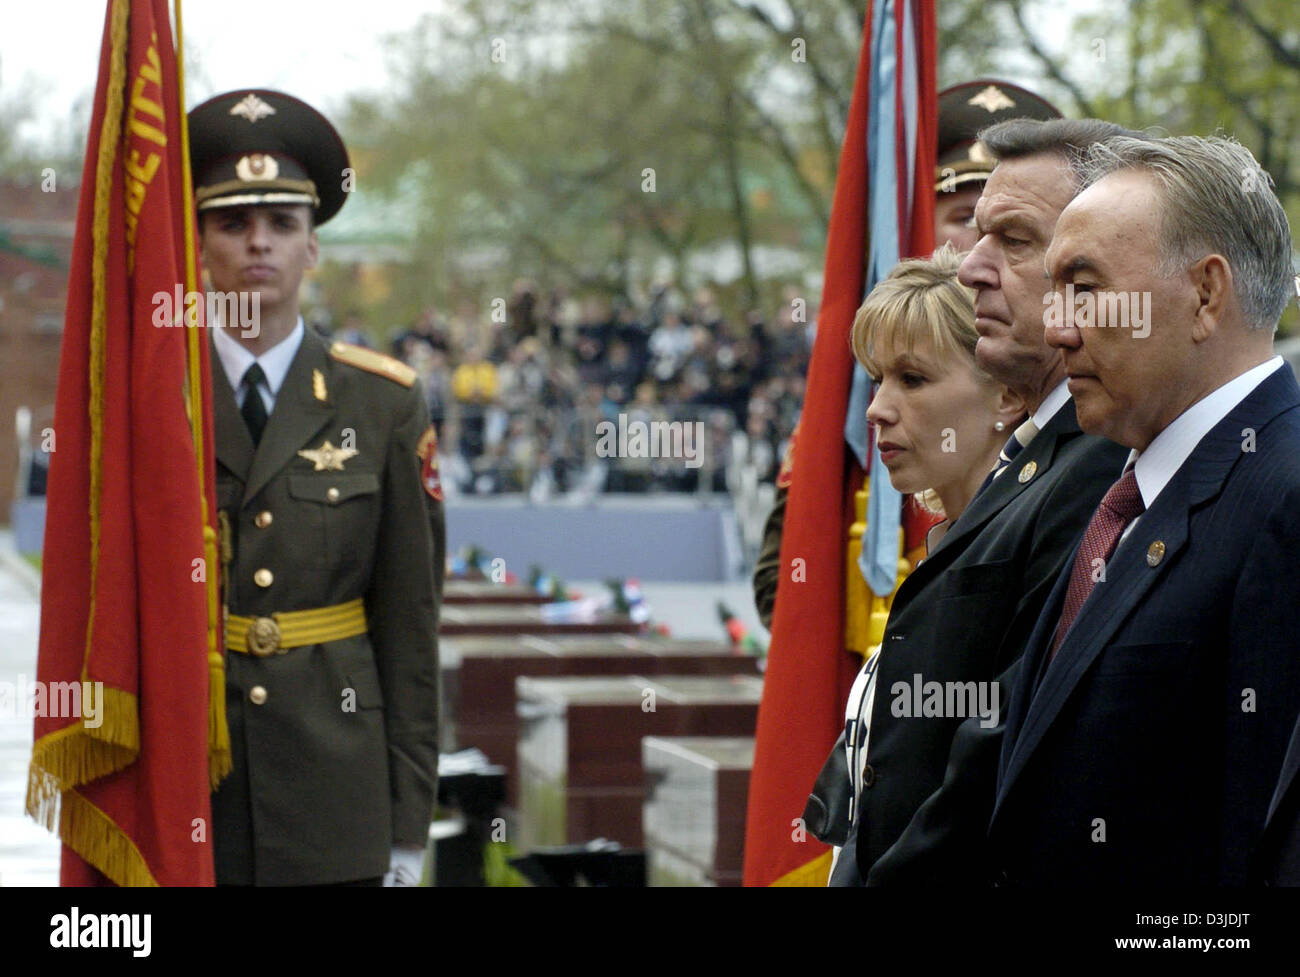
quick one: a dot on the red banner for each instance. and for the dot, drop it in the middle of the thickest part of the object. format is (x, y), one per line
(128, 610)
(809, 670)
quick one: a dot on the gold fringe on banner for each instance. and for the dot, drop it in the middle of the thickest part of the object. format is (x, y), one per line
(101, 842)
(69, 756)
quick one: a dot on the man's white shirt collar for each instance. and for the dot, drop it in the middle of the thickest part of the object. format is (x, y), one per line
(275, 362)
(1162, 458)
(1052, 403)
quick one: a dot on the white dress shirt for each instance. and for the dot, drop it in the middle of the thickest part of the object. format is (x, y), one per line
(1156, 466)
(275, 363)
(1162, 458)
(1051, 405)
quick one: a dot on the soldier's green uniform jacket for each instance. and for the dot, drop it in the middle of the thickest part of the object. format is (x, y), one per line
(334, 744)
(767, 570)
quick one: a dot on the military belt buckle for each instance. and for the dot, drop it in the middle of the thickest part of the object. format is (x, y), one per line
(263, 637)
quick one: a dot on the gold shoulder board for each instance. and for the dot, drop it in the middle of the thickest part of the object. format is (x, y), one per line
(372, 362)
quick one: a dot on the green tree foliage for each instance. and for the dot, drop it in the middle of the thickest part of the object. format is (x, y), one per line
(580, 150)
(517, 135)
(1184, 67)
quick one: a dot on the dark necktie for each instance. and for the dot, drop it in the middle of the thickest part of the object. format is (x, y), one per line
(253, 409)
(1120, 506)
(1020, 437)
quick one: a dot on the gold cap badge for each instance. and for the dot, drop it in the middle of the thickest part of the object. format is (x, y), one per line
(257, 166)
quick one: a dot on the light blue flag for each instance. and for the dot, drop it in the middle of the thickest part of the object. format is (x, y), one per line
(879, 559)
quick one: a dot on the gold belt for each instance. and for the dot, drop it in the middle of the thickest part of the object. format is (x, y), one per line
(274, 635)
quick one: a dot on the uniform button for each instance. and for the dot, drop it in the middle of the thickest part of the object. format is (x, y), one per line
(263, 577)
(262, 520)
(257, 695)
(332, 494)
(868, 775)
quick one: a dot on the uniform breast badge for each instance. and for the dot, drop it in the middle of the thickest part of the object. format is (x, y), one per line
(430, 478)
(786, 474)
(328, 458)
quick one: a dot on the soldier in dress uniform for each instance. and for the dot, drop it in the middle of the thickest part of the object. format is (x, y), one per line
(332, 533)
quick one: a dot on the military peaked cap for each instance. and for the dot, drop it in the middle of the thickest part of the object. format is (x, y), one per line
(257, 146)
(967, 108)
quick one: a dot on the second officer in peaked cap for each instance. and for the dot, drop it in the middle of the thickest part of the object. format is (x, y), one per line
(332, 531)
(962, 164)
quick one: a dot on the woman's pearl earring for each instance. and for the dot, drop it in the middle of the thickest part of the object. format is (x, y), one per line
(999, 426)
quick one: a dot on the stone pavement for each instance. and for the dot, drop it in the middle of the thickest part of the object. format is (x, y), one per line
(29, 855)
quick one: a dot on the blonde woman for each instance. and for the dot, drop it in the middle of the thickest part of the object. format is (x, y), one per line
(939, 420)
(939, 423)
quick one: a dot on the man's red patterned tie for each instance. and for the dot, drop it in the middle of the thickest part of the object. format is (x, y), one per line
(1118, 508)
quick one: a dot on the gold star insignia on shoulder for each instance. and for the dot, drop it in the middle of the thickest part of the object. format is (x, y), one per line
(328, 458)
(993, 99)
(252, 108)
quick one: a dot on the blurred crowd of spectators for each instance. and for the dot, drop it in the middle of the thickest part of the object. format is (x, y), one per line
(517, 394)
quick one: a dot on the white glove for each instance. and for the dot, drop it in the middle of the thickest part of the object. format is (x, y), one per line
(406, 867)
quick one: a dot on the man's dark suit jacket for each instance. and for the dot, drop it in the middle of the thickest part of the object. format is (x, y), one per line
(946, 843)
(1279, 859)
(1148, 751)
(965, 613)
